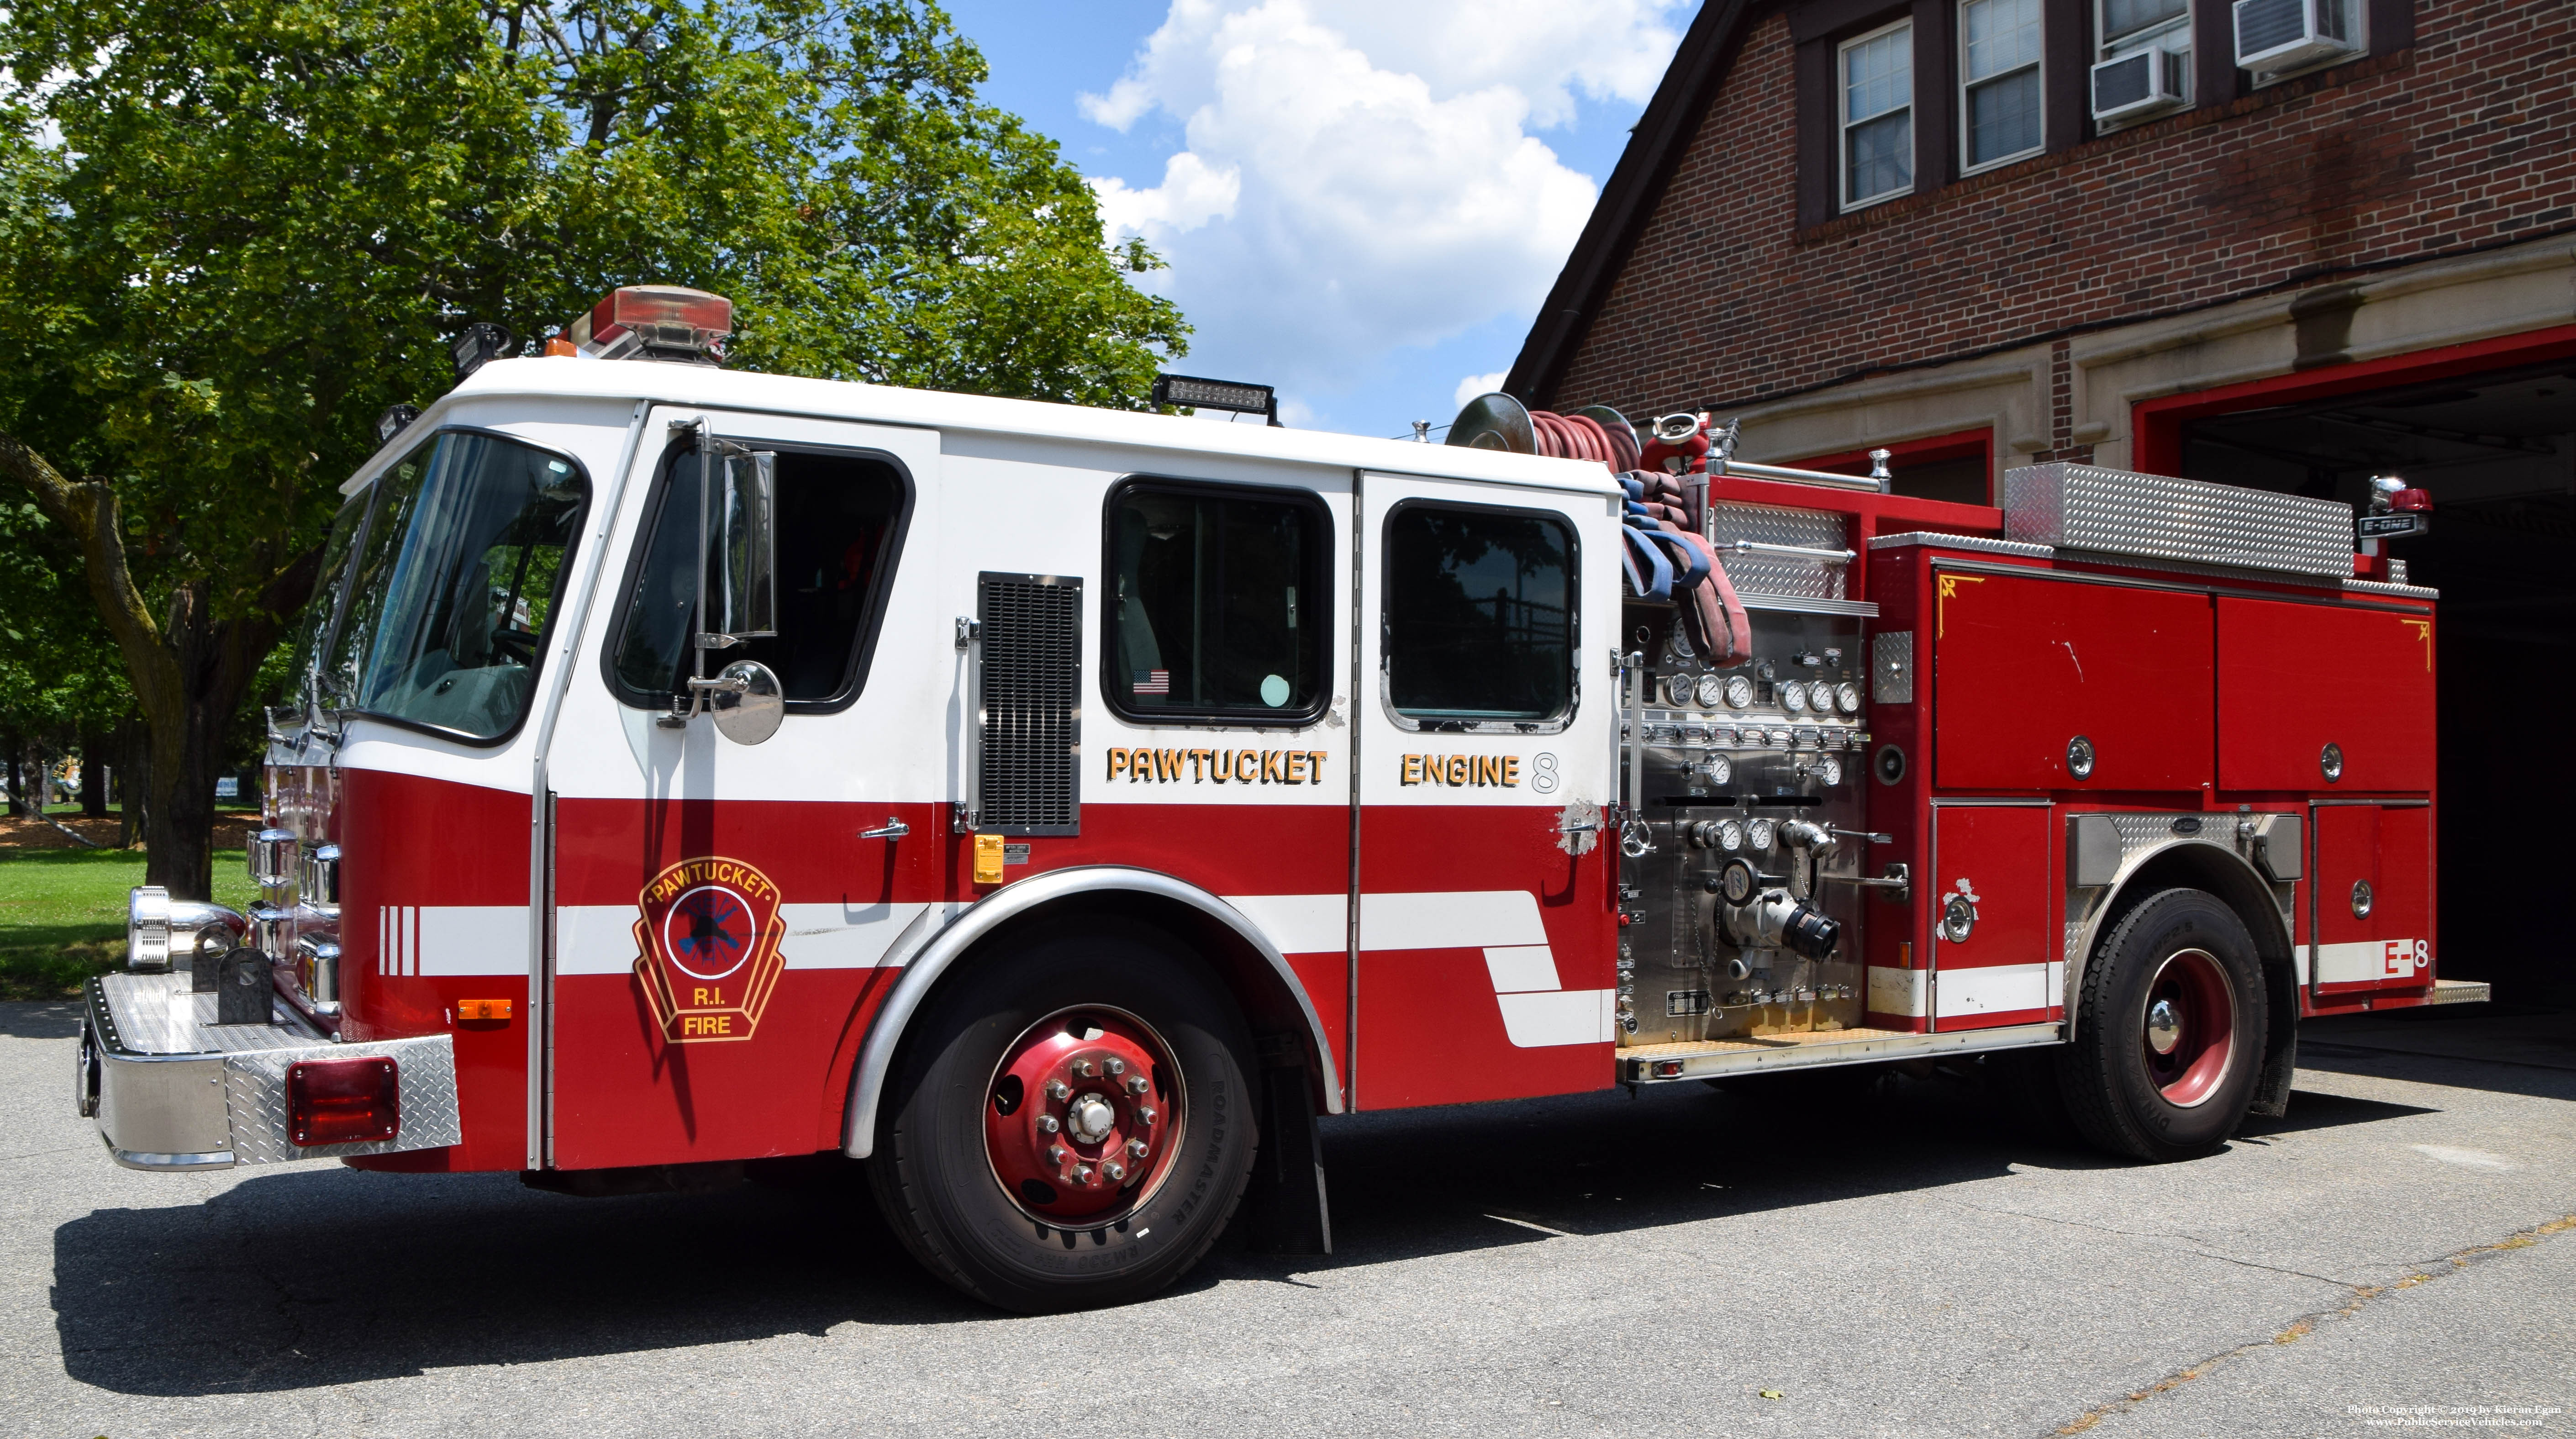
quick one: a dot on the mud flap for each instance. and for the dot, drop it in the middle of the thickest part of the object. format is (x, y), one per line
(1285, 1211)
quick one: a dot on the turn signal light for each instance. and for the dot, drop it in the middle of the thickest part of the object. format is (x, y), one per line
(342, 1101)
(482, 1009)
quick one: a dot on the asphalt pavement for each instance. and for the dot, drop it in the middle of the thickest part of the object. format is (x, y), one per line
(2398, 1255)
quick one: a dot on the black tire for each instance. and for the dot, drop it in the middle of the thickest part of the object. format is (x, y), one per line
(2122, 1093)
(931, 1169)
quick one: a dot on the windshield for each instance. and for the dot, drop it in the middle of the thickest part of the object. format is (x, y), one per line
(451, 583)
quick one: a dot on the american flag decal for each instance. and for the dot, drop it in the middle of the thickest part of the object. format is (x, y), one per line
(1153, 682)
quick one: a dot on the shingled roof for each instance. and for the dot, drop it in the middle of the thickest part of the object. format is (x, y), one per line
(1628, 200)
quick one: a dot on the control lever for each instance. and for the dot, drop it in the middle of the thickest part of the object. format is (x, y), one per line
(1897, 884)
(1862, 834)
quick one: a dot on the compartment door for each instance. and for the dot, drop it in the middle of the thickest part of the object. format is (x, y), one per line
(2024, 667)
(2373, 899)
(1487, 954)
(2295, 678)
(1997, 954)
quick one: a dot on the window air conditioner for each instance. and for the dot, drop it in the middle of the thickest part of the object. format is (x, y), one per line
(2140, 83)
(2277, 35)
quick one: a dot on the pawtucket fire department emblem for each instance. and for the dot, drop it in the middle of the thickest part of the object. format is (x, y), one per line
(708, 943)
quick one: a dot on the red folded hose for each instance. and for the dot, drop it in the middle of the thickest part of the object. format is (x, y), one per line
(1715, 614)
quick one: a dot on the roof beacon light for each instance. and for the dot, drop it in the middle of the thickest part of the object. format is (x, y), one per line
(656, 322)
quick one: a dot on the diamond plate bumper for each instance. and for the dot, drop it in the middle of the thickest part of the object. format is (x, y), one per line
(171, 1089)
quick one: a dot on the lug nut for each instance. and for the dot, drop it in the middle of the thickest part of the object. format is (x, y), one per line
(1082, 1174)
(1114, 1170)
(1135, 1084)
(1084, 1069)
(1144, 1115)
(1136, 1149)
(1055, 1154)
(1058, 1089)
(1117, 1065)
(1047, 1124)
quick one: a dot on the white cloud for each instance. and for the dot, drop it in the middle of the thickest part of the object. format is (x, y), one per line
(1359, 178)
(1474, 385)
(1191, 195)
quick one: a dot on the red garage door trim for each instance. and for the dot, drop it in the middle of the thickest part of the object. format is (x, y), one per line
(2158, 423)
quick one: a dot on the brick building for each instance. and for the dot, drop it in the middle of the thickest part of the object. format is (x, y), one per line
(2287, 243)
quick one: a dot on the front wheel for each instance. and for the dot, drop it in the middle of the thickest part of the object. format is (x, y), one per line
(1071, 1123)
(2170, 1036)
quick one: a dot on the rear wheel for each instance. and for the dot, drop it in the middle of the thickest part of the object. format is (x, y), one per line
(1071, 1123)
(2170, 1036)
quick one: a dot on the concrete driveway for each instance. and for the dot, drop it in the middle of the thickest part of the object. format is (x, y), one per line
(2398, 1252)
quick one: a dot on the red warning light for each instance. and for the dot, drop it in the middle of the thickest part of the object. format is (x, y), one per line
(656, 322)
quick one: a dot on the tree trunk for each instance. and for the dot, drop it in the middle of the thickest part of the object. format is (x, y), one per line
(133, 780)
(93, 791)
(17, 783)
(189, 669)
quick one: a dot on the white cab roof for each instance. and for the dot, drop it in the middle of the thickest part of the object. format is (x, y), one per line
(700, 386)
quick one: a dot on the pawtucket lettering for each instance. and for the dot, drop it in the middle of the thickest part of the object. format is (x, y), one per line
(1224, 766)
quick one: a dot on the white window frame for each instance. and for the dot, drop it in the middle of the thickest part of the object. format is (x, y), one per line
(1843, 123)
(1968, 165)
(2138, 39)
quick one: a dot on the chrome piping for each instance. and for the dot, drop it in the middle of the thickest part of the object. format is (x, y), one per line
(922, 968)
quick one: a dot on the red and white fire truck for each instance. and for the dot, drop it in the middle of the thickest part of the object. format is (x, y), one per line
(1057, 809)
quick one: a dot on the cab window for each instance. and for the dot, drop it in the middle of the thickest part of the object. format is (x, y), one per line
(1215, 603)
(839, 522)
(1479, 622)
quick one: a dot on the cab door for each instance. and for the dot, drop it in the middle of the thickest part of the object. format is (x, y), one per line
(1486, 965)
(720, 908)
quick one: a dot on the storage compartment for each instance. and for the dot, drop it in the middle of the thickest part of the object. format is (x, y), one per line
(2294, 679)
(2027, 668)
(1995, 941)
(2373, 898)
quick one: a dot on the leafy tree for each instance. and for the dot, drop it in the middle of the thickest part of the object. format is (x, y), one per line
(235, 230)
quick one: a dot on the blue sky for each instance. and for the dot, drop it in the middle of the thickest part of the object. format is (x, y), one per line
(1363, 203)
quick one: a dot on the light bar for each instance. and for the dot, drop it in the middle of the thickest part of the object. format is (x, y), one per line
(656, 322)
(1201, 394)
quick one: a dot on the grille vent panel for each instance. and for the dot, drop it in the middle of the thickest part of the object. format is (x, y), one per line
(1029, 774)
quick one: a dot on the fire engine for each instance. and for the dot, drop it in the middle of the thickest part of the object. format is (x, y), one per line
(1059, 809)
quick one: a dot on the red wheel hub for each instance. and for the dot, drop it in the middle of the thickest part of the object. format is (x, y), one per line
(1083, 1116)
(2189, 1035)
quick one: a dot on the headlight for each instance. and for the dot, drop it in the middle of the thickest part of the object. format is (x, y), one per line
(1847, 698)
(1794, 695)
(1830, 770)
(1677, 690)
(1730, 835)
(1739, 693)
(1760, 832)
(1711, 691)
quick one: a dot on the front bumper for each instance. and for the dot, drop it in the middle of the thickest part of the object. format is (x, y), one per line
(171, 1089)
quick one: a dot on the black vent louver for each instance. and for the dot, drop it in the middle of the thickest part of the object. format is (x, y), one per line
(1029, 777)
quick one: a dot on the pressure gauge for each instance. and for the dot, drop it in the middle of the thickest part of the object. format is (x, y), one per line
(1677, 691)
(1730, 836)
(1829, 770)
(1719, 771)
(1847, 698)
(1760, 832)
(1679, 642)
(1711, 690)
(1736, 881)
(1794, 695)
(1739, 693)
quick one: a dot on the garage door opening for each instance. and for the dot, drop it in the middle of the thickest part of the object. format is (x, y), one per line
(2497, 450)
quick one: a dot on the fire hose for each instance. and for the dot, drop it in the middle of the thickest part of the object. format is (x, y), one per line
(1663, 555)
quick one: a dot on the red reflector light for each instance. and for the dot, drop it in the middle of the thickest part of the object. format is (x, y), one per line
(2411, 501)
(1668, 1069)
(658, 322)
(342, 1101)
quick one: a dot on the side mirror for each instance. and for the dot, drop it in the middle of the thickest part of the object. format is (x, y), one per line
(742, 546)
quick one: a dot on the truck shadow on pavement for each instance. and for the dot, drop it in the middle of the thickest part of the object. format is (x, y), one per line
(321, 1277)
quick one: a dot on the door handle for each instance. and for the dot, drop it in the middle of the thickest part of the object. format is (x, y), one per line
(893, 828)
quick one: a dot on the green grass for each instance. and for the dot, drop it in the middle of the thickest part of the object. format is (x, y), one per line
(62, 914)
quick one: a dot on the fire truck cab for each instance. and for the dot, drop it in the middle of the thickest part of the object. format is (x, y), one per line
(1057, 809)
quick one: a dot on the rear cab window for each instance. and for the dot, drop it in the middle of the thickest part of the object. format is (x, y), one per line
(1479, 617)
